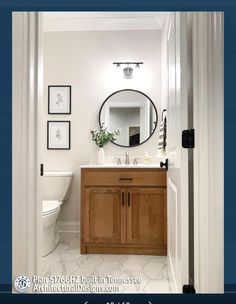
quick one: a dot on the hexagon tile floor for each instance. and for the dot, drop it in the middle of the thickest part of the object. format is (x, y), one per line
(66, 260)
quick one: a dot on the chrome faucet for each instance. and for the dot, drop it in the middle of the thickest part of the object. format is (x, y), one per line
(136, 161)
(118, 161)
(127, 158)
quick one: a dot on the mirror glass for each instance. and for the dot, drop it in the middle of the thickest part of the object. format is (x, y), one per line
(133, 113)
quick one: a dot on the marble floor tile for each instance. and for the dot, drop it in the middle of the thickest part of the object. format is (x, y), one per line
(140, 275)
(154, 259)
(83, 271)
(113, 257)
(133, 262)
(57, 269)
(157, 286)
(70, 266)
(51, 259)
(61, 247)
(89, 265)
(127, 286)
(93, 260)
(46, 271)
(113, 269)
(156, 271)
(70, 254)
(66, 260)
(80, 258)
(70, 239)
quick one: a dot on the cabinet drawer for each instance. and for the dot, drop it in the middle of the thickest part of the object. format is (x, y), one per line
(124, 177)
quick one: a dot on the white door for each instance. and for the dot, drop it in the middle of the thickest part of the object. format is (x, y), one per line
(177, 175)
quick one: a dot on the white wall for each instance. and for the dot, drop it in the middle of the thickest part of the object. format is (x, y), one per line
(84, 61)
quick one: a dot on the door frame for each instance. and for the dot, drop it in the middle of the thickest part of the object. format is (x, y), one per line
(208, 123)
(208, 108)
(26, 106)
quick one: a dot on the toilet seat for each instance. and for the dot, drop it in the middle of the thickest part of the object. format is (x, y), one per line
(49, 207)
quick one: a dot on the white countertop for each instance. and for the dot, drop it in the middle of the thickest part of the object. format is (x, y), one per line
(123, 166)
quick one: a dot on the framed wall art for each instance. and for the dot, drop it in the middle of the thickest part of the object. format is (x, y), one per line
(59, 99)
(58, 135)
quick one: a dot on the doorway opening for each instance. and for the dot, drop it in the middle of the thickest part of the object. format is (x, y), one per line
(78, 50)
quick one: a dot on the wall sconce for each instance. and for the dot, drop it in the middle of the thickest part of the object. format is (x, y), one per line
(128, 71)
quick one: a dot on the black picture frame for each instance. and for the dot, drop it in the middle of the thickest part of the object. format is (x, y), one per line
(51, 97)
(50, 145)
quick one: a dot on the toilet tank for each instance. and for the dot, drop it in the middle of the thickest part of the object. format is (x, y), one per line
(56, 185)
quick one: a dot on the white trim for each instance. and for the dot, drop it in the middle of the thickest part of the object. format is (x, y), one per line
(208, 102)
(177, 109)
(68, 226)
(25, 212)
(171, 275)
(102, 21)
(39, 45)
(182, 98)
(170, 267)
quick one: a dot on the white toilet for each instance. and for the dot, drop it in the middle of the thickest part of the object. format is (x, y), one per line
(56, 188)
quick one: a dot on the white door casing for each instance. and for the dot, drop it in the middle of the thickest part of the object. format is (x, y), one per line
(26, 209)
(208, 101)
(177, 175)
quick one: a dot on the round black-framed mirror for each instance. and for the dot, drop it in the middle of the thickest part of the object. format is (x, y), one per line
(133, 113)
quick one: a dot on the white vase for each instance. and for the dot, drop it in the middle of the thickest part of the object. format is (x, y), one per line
(101, 156)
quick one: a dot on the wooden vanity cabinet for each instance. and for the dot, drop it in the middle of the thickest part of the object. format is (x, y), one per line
(146, 216)
(103, 216)
(123, 211)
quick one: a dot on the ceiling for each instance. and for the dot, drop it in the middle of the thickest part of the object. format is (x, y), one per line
(102, 21)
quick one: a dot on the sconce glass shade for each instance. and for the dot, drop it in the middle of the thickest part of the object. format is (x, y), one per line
(128, 72)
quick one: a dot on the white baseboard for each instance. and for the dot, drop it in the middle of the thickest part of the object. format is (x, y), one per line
(68, 226)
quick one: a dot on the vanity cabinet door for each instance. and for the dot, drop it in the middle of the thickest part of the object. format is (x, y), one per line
(103, 222)
(146, 216)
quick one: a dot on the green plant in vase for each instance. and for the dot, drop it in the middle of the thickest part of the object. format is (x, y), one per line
(101, 138)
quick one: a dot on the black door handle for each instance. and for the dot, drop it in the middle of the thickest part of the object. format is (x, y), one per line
(164, 164)
(41, 170)
(129, 199)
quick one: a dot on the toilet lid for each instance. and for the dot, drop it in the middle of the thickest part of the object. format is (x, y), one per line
(50, 206)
